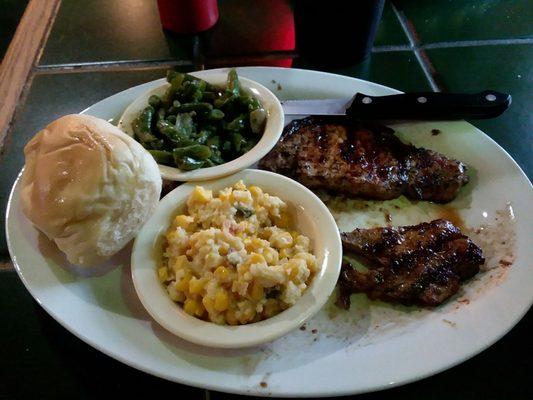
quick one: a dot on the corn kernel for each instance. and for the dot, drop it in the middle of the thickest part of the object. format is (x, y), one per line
(180, 263)
(239, 186)
(281, 240)
(309, 259)
(246, 316)
(196, 285)
(256, 258)
(209, 304)
(271, 308)
(256, 291)
(256, 191)
(303, 242)
(231, 318)
(283, 221)
(223, 250)
(174, 294)
(222, 274)
(293, 272)
(200, 195)
(225, 194)
(221, 300)
(193, 307)
(271, 255)
(162, 273)
(242, 196)
(183, 221)
(183, 284)
(259, 243)
(212, 260)
(285, 253)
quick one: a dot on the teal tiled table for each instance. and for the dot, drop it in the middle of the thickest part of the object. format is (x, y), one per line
(98, 47)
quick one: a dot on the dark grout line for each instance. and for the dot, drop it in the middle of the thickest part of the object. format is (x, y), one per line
(421, 56)
(111, 65)
(390, 49)
(472, 43)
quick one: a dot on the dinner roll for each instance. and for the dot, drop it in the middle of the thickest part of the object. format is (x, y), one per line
(88, 186)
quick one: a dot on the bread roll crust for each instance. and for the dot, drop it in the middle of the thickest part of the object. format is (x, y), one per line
(88, 186)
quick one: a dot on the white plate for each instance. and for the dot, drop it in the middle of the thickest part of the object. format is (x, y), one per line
(371, 347)
(313, 220)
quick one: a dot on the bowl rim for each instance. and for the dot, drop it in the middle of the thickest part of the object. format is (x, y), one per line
(159, 305)
(274, 126)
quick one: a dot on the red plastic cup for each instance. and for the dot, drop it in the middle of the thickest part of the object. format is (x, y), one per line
(188, 16)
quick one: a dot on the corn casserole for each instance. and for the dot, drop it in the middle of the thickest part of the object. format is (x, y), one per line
(231, 259)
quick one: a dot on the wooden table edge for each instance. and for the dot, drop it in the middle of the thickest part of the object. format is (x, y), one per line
(22, 56)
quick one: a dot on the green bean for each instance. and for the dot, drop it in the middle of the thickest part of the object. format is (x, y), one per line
(238, 123)
(197, 151)
(206, 85)
(213, 141)
(253, 104)
(257, 120)
(223, 102)
(208, 163)
(154, 101)
(168, 96)
(189, 163)
(161, 113)
(226, 146)
(198, 107)
(233, 86)
(193, 90)
(184, 124)
(171, 132)
(171, 74)
(249, 145)
(238, 141)
(172, 119)
(142, 125)
(203, 135)
(216, 157)
(249, 103)
(177, 81)
(197, 95)
(174, 108)
(162, 157)
(158, 144)
(215, 115)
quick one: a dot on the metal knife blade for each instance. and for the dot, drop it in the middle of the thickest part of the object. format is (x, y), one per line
(416, 106)
(316, 107)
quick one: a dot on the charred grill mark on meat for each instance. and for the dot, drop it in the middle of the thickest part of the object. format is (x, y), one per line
(421, 264)
(362, 160)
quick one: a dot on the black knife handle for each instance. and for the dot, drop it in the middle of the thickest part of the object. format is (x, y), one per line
(429, 105)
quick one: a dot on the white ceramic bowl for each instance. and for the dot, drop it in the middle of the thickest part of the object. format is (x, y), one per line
(273, 128)
(312, 219)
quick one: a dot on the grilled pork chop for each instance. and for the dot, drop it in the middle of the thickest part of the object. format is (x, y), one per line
(420, 264)
(362, 160)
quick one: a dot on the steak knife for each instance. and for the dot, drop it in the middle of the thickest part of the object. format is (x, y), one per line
(414, 106)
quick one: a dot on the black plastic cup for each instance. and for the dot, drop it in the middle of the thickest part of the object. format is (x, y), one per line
(336, 32)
